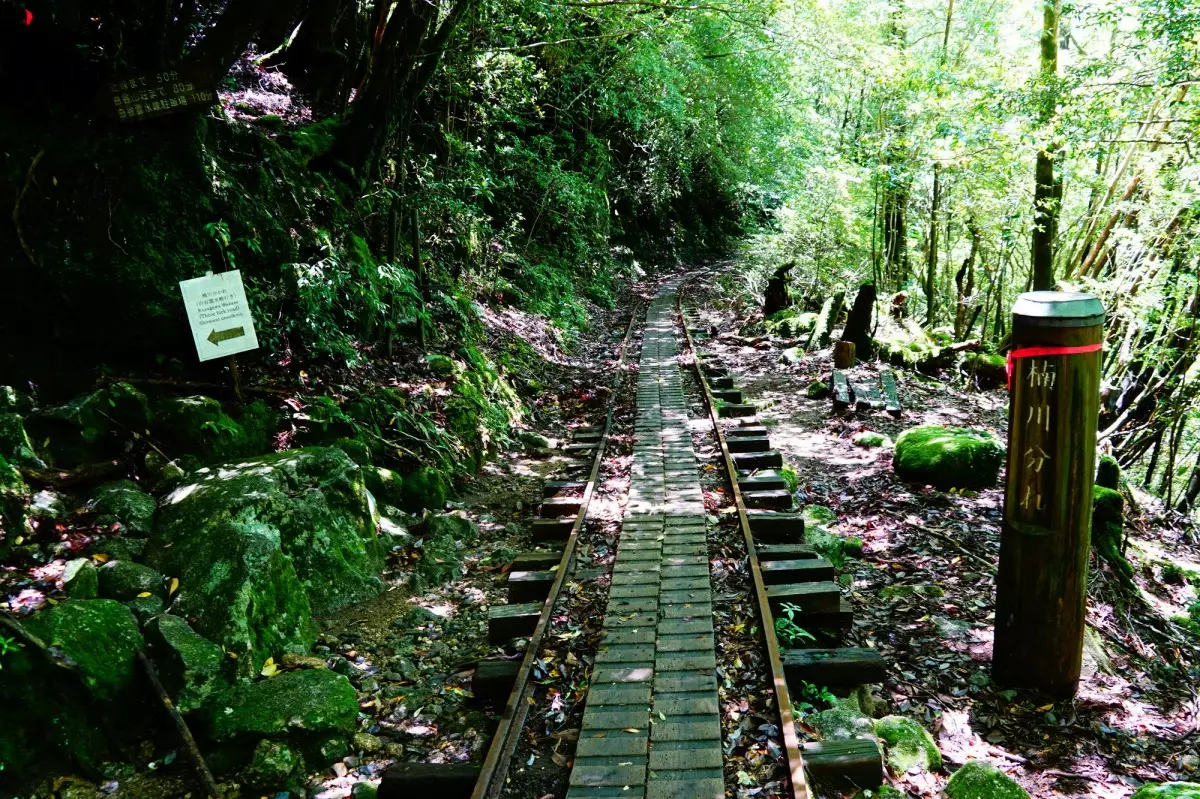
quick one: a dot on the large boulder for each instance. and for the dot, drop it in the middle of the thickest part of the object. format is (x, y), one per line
(124, 502)
(948, 457)
(909, 746)
(69, 711)
(91, 427)
(260, 545)
(424, 489)
(1168, 790)
(99, 636)
(980, 780)
(189, 664)
(124, 580)
(314, 701)
(198, 426)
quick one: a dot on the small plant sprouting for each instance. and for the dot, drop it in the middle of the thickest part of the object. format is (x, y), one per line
(787, 629)
(7, 645)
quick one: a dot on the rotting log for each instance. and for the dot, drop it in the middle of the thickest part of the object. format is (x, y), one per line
(823, 330)
(1041, 585)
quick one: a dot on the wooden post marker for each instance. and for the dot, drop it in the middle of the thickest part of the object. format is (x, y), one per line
(1054, 384)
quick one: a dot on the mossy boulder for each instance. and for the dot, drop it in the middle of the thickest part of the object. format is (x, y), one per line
(15, 446)
(198, 426)
(990, 370)
(145, 608)
(124, 502)
(312, 701)
(189, 664)
(124, 580)
(817, 390)
(275, 766)
(948, 458)
(99, 636)
(980, 780)
(424, 489)
(869, 439)
(910, 747)
(1108, 472)
(1168, 790)
(81, 579)
(260, 545)
(89, 428)
(844, 720)
(386, 486)
(1108, 526)
(442, 537)
(818, 515)
(13, 401)
(118, 548)
(160, 474)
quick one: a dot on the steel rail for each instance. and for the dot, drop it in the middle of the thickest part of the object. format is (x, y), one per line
(504, 743)
(783, 698)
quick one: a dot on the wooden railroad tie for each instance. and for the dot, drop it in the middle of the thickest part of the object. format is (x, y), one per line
(720, 382)
(769, 552)
(746, 431)
(552, 488)
(891, 397)
(494, 679)
(812, 598)
(748, 444)
(732, 395)
(799, 570)
(444, 780)
(776, 499)
(757, 460)
(844, 765)
(734, 410)
(558, 507)
(552, 529)
(506, 622)
(844, 666)
(776, 528)
(866, 396)
(765, 480)
(841, 391)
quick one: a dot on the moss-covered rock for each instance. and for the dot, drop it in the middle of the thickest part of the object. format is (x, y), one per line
(81, 580)
(13, 401)
(817, 515)
(145, 608)
(882, 792)
(817, 390)
(980, 780)
(387, 486)
(197, 425)
(160, 474)
(189, 664)
(91, 427)
(869, 439)
(123, 501)
(425, 488)
(1108, 472)
(118, 548)
(910, 747)
(124, 580)
(313, 701)
(989, 369)
(275, 766)
(443, 536)
(844, 720)
(14, 503)
(948, 457)
(15, 446)
(99, 635)
(1108, 526)
(1168, 790)
(259, 545)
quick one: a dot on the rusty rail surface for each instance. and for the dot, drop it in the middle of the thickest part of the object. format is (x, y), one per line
(504, 743)
(787, 724)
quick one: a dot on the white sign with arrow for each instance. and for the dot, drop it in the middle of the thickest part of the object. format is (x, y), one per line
(219, 315)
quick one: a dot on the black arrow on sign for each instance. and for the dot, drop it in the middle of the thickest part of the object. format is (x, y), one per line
(217, 336)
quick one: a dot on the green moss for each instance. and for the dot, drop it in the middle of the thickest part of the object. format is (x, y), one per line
(425, 488)
(99, 635)
(882, 792)
(818, 515)
(910, 747)
(123, 501)
(259, 545)
(275, 766)
(124, 580)
(198, 426)
(1168, 790)
(980, 780)
(15, 445)
(313, 700)
(81, 580)
(790, 478)
(1108, 526)
(189, 664)
(1108, 472)
(948, 457)
(14, 503)
(90, 428)
(387, 486)
(869, 439)
(844, 720)
(817, 390)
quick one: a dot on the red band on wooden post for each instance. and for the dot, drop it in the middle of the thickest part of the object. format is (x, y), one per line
(1038, 352)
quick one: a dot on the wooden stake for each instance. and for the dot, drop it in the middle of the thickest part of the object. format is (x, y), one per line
(237, 382)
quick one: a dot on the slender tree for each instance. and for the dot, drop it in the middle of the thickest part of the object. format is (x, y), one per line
(1047, 187)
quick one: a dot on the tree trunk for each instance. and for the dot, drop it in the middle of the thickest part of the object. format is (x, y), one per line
(318, 60)
(232, 34)
(965, 281)
(858, 321)
(1188, 500)
(931, 261)
(1047, 190)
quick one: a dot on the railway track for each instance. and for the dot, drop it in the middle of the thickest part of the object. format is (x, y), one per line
(650, 721)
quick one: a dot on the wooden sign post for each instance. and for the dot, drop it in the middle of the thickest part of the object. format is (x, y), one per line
(1054, 400)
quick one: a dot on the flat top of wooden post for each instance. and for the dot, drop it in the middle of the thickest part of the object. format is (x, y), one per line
(1059, 309)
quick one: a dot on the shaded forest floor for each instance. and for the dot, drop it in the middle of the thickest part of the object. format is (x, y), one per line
(924, 592)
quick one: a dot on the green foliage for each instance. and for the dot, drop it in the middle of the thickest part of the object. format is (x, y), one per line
(790, 478)
(786, 628)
